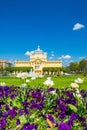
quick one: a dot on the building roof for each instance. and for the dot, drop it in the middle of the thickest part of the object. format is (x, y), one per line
(4, 61)
(38, 51)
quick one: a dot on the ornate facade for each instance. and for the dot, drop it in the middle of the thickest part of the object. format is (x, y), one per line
(38, 60)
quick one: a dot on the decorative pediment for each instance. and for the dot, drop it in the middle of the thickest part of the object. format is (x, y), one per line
(38, 60)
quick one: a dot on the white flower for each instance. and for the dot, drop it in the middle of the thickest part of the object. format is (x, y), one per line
(49, 82)
(23, 85)
(79, 80)
(74, 85)
(79, 95)
(53, 92)
(2, 83)
(33, 78)
(19, 75)
(48, 78)
(77, 91)
(27, 80)
(22, 75)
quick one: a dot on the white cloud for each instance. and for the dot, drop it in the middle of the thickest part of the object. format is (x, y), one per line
(50, 58)
(52, 55)
(78, 26)
(82, 57)
(65, 56)
(27, 53)
(59, 58)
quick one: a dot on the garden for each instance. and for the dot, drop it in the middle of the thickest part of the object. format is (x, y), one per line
(43, 103)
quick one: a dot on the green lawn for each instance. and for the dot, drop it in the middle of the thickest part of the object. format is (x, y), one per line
(59, 81)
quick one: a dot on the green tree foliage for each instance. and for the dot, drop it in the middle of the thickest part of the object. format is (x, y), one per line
(83, 66)
(78, 66)
(14, 69)
(51, 69)
(74, 67)
(64, 69)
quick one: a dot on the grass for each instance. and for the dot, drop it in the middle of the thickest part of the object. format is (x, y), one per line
(59, 81)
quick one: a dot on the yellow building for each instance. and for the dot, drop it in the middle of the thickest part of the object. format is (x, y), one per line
(4, 64)
(38, 60)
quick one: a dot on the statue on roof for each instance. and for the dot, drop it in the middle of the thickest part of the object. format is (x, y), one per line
(38, 48)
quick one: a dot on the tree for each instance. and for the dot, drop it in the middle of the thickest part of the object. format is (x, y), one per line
(64, 69)
(74, 67)
(18, 69)
(51, 69)
(83, 65)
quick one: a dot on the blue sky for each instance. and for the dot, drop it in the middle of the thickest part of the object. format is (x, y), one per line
(58, 26)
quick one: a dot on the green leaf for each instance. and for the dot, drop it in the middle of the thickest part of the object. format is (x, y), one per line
(72, 107)
(17, 103)
(22, 119)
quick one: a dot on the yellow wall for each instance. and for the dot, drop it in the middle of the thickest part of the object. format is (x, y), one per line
(38, 64)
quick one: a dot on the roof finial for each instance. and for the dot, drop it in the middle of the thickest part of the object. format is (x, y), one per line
(38, 48)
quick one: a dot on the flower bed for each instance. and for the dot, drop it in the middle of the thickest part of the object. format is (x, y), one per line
(41, 109)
